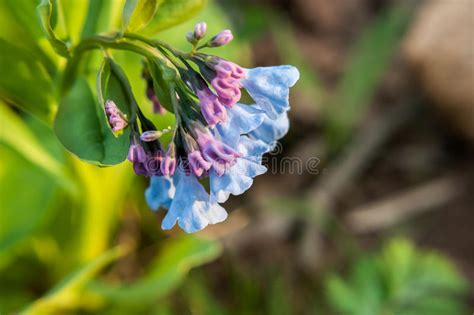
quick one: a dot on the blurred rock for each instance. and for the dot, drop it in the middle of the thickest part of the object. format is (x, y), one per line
(440, 49)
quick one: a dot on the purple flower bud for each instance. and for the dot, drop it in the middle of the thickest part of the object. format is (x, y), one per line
(221, 39)
(190, 37)
(111, 108)
(200, 30)
(219, 154)
(227, 69)
(157, 107)
(153, 164)
(228, 90)
(150, 135)
(197, 164)
(168, 165)
(117, 120)
(139, 169)
(212, 110)
(136, 153)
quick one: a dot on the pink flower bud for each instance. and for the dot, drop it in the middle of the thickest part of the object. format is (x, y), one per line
(150, 135)
(168, 165)
(227, 69)
(117, 120)
(200, 30)
(211, 108)
(223, 38)
(136, 154)
(197, 164)
(152, 164)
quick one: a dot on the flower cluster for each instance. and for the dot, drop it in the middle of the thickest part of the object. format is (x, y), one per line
(216, 139)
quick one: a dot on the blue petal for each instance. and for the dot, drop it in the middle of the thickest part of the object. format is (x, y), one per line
(160, 193)
(252, 149)
(272, 130)
(241, 119)
(191, 207)
(269, 87)
(238, 179)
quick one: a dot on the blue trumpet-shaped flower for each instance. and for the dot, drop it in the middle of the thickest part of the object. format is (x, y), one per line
(191, 207)
(237, 179)
(242, 119)
(272, 130)
(216, 137)
(269, 87)
(160, 193)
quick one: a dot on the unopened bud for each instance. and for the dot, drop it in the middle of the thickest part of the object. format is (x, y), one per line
(223, 38)
(190, 37)
(117, 120)
(200, 30)
(152, 135)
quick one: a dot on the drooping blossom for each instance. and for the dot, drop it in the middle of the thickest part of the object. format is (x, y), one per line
(217, 138)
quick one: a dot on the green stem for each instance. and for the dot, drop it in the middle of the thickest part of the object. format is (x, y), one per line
(155, 43)
(104, 42)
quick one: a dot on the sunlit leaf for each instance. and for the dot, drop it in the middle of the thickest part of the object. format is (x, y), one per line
(173, 12)
(26, 84)
(104, 192)
(26, 193)
(76, 12)
(172, 264)
(81, 125)
(24, 12)
(138, 13)
(19, 137)
(68, 294)
(46, 10)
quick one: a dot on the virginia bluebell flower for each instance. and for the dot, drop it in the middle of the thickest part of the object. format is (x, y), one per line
(191, 206)
(160, 193)
(237, 179)
(215, 139)
(269, 88)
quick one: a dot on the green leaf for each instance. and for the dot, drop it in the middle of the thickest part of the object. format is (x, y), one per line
(47, 13)
(340, 295)
(24, 13)
(26, 193)
(138, 13)
(104, 193)
(18, 20)
(411, 277)
(162, 75)
(399, 280)
(76, 12)
(81, 124)
(26, 84)
(68, 294)
(102, 81)
(177, 257)
(173, 12)
(19, 137)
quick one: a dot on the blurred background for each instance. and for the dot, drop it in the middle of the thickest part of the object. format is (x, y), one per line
(367, 207)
